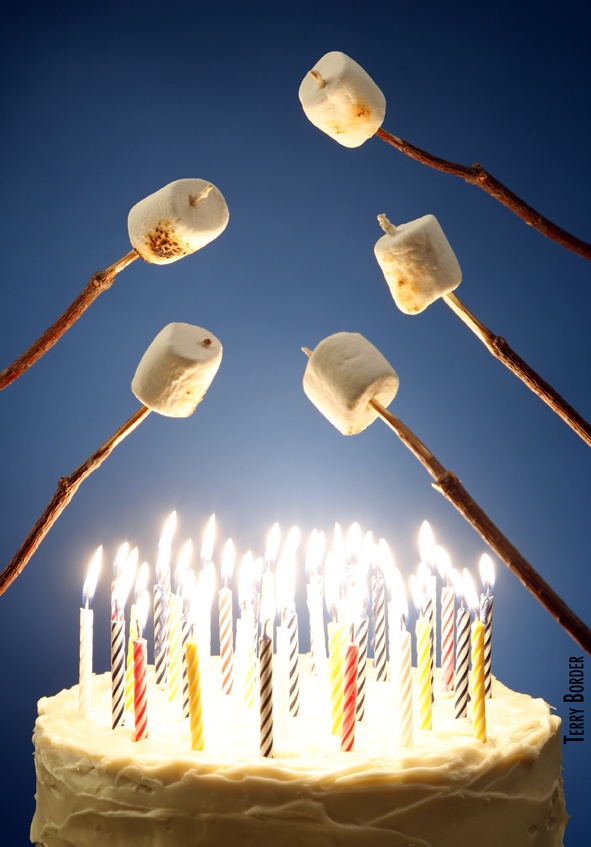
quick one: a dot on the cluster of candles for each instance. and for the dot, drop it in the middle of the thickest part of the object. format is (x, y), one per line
(340, 578)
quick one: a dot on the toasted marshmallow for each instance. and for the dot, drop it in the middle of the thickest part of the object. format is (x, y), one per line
(343, 374)
(177, 220)
(342, 100)
(177, 369)
(417, 261)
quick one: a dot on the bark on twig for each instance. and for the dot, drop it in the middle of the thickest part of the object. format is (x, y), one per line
(505, 354)
(98, 283)
(477, 175)
(450, 486)
(67, 487)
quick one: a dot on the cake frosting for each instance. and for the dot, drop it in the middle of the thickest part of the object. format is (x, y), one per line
(97, 787)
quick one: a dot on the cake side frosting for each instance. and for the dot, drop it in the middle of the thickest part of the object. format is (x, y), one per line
(96, 786)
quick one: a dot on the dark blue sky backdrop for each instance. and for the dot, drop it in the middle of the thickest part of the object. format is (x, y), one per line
(103, 106)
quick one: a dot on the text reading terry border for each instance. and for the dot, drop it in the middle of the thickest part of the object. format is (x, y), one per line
(576, 696)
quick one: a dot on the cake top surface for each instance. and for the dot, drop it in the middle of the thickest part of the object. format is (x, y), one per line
(517, 725)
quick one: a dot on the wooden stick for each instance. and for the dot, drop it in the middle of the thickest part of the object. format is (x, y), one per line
(66, 488)
(505, 354)
(476, 175)
(98, 283)
(450, 486)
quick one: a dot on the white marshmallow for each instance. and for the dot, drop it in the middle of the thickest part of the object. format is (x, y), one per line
(177, 220)
(417, 261)
(342, 100)
(177, 369)
(343, 374)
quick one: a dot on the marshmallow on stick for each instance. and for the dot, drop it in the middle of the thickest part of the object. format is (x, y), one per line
(335, 385)
(345, 372)
(420, 267)
(342, 100)
(177, 220)
(173, 222)
(185, 355)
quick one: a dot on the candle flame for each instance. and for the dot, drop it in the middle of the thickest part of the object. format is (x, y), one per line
(163, 561)
(442, 562)
(314, 553)
(142, 606)
(207, 546)
(120, 558)
(183, 564)
(470, 592)
(292, 542)
(331, 582)
(188, 589)
(246, 579)
(399, 594)
(90, 582)
(228, 560)
(417, 593)
(458, 584)
(141, 583)
(353, 543)
(267, 609)
(272, 547)
(487, 572)
(426, 543)
(285, 582)
(386, 563)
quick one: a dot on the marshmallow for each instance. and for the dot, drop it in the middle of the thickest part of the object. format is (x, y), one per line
(177, 220)
(343, 374)
(417, 261)
(342, 100)
(177, 369)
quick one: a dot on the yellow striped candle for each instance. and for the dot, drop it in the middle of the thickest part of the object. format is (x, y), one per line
(423, 633)
(478, 691)
(336, 643)
(195, 702)
(129, 669)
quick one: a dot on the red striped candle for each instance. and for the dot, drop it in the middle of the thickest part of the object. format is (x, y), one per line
(140, 688)
(350, 697)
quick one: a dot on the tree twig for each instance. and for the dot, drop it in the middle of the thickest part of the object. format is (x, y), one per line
(477, 175)
(450, 486)
(67, 487)
(505, 354)
(98, 283)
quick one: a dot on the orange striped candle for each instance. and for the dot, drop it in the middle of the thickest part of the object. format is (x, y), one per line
(349, 696)
(195, 701)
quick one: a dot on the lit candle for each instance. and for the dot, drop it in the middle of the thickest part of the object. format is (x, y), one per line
(404, 675)
(487, 575)
(140, 585)
(226, 619)
(162, 602)
(282, 687)
(423, 636)
(86, 634)
(378, 607)
(188, 592)
(314, 556)
(286, 590)
(245, 631)
(140, 664)
(195, 698)
(336, 643)
(349, 695)
(448, 597)
(477, 643)
(175, 664)
(119, 599)
(462, 649)
(426, 550)
(266, 680)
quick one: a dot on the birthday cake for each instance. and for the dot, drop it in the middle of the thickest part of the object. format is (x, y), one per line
(97, 786)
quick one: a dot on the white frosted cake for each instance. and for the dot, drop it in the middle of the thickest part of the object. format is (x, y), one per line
(97, 787)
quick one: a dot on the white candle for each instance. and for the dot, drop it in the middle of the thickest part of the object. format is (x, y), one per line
(86, 634)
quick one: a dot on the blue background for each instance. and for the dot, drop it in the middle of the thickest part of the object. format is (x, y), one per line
(103, 106)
